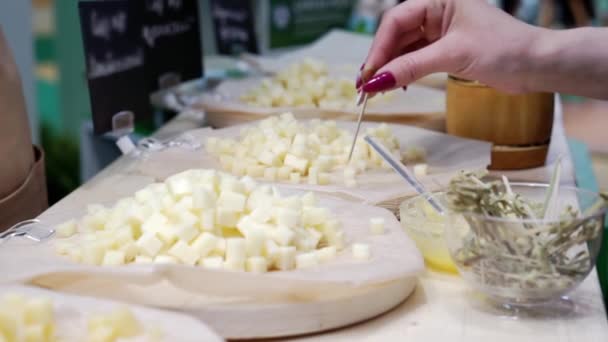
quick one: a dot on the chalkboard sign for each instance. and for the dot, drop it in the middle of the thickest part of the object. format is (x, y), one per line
(171, 36)
(234, 27)
(115, 61)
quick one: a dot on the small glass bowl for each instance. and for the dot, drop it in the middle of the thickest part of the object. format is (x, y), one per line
(426, 227)
(521, 262)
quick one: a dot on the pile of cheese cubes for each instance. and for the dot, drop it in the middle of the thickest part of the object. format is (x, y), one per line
(304, 84)
(281, 148)
(24, 319)
(206, 218)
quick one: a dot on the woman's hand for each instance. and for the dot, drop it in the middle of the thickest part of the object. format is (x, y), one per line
(468, 38)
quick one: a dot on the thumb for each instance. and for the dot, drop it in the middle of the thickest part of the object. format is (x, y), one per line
(410, 67)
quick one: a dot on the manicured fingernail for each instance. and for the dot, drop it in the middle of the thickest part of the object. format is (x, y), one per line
(381, 82)
(358, 82)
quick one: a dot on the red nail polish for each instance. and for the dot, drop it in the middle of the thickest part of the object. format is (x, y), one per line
(358, 82)
(381, 82)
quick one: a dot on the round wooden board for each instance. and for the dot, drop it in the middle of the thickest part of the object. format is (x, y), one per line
(256, 321)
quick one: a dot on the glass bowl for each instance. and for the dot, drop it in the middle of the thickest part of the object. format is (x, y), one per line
(529, 261)
(426, 227)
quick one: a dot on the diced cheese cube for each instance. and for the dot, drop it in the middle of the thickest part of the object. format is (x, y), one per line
(186, 233)
(420, 170)
(283, 173)
(165, 259)
(285, 258)
(113, 258)
(238, 168)
(323, 178)
(203, 198)
(220, 247)
(306, 260)
(92, 253)
(231, 201)
(312, 216)
(179, 185)
(309, 199)
(212, 262)
(254, 241)
(294, 177)
(33, 333)
(376, 225)
(234, 265)
(313, 176)
(149, 244)
(255, 171)
(268, 158)
(326, 254)
(184, 253)
(295, 163)
(167, 233)
(130, 250)
(361, 251)
(282, 235)
(249, 183)
(270, 250)
(256, 264)
(38, 311)
(154, 223)
(225, 217)
(236, 249)
(142, 259)
(286, 217)
(270, 174)
(261, 214)
(66, 229)
(207, 220)
(204, 244)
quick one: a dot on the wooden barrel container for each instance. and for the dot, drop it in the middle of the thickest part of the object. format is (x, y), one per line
(519, 125)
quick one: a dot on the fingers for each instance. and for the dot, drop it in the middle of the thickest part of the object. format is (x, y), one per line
(433, 21)
(406, 17)
(404, 70)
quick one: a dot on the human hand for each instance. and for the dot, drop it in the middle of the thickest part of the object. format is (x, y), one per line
(467, 38)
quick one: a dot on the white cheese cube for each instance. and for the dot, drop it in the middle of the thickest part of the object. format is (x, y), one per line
(113, 258)
(184, 253)
(283, 173)
(306, 260)
(238, 168)
(38, 311)
(186, 233)
(149, 244)
(309, 199)
(204, 244)
(323, 178)
(262, 214)
(286, 217)
(421, 170)
(214, 263)
(270, 174)
(130, 250)
(326, 254)
(270, 250)
(167, 233)
(229, 183)
(220, 247)
(142, 259)
(236, 249)
(249, 183)
(154, 223)
(376, 225)
(295, 163)
(165, 259)
(207, 220)
(66, 229)
(285, 258)
(295, 177)
(179, 185)
(255, 171)
(282, 235)
(312, 216)
(92, 253)
(256, 264)
(225, 217)
(203, 198)
(255, 238)
(231, 201)
(268, 158)
(234, 265)
(361, 251)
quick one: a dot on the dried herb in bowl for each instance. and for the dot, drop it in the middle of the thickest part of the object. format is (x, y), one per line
(517, 247)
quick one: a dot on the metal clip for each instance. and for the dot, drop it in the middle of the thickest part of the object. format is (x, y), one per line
(30, 229)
